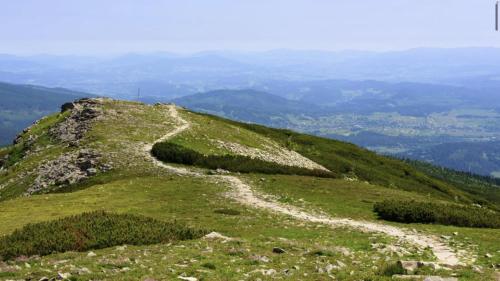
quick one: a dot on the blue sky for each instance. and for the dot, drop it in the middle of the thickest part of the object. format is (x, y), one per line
(118, 26)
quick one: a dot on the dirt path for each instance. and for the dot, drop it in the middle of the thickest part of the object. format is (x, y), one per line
(244, 194)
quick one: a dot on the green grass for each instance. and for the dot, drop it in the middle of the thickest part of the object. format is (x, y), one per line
(90, 231)
(354, 199)
(206, 129)
(338, 197)
(195, 202)
(355, 162)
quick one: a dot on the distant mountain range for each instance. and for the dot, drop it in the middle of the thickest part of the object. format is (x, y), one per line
(23, 104)
(166, 75)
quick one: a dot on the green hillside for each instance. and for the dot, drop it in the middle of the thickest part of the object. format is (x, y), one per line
(249, 105)
(96, 156)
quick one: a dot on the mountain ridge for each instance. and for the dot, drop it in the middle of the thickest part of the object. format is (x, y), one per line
(106, 143)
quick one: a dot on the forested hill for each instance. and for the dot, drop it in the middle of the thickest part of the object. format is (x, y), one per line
(22, 104)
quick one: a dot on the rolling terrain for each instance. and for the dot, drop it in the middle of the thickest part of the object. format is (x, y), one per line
(96, 155)
(433, 123)
(404, 103)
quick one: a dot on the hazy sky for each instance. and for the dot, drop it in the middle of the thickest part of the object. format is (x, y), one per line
(116, 26)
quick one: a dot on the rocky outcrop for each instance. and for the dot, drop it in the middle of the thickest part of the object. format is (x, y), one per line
(69, 168)
(3, 161)
(19, 137)
(82, 114)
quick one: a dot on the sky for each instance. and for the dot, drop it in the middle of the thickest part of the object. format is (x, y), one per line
(184, 26)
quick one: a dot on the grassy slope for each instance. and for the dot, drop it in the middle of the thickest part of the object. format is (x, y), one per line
(355, 200)
(135, 186)
(340, 157)
(480, 186)
(18, 176)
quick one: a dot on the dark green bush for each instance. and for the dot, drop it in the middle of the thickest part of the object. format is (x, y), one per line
(229, 212)
(209, 265)
(171, 152)
(93, 230)
(438, 213)
(321, 253)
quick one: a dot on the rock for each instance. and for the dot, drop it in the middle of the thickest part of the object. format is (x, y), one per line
(121, 248)
(222, 171)
(477, 268)
(187, 278)
(344, 251)
(63, 276)
(455, 233)
(260, 258)
(69, 168)
(269, 272)
(409, 266)
(31, 139)
(488, 255)
(278, 250)
(91, 254)
(82, 115)
(106, 167)
(91, 171)
(215, 235)
(329, 267)
(3, 160)
(432, 265)
(438, 278)
(44, 279)
(83, 270)
(421, 277)
(67, 106)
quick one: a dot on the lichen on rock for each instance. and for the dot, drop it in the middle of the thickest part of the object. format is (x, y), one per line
(69, 168)
(82, 114)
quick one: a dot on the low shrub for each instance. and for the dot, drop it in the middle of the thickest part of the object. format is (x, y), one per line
(229, 212)
(209, 265)
(171, 152)
(321, 253)
(438, 213)
(390, 269)
(94, 230)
